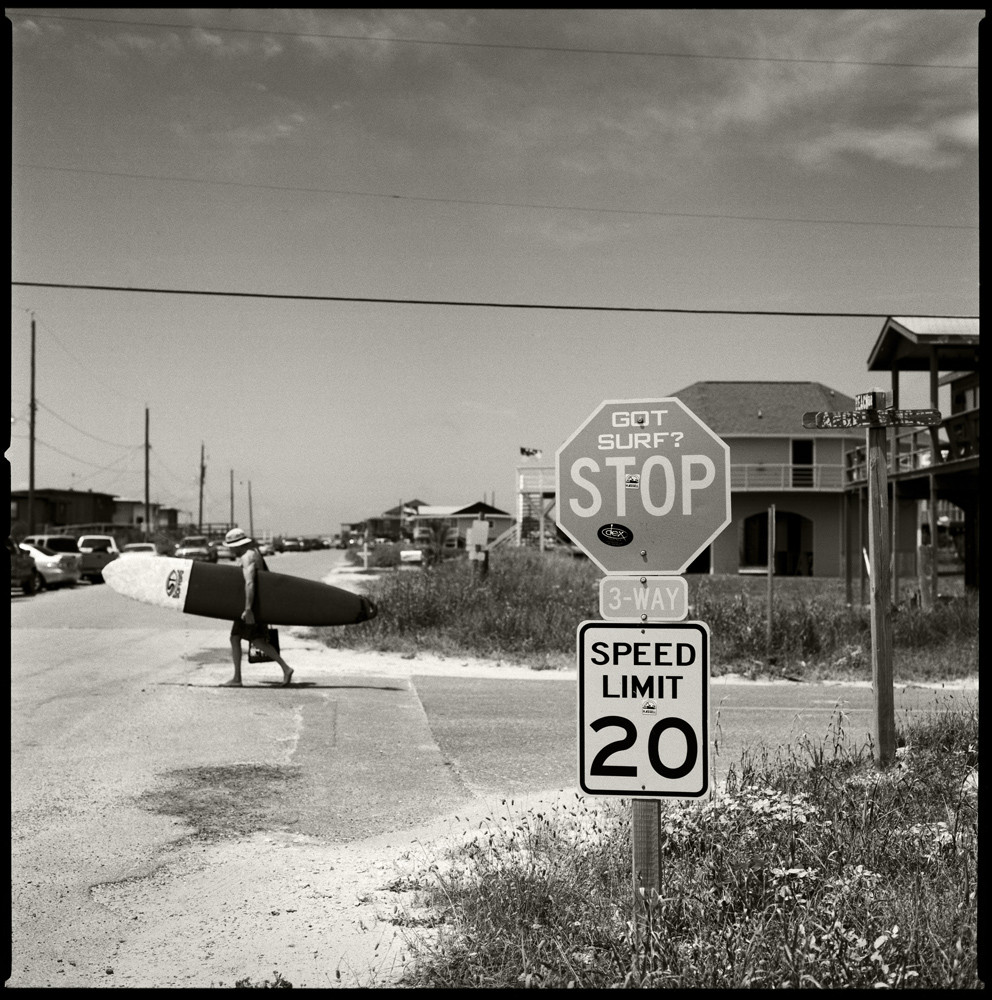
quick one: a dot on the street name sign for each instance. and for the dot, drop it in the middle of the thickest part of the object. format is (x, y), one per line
(872, 418)
(644, 598)
(643, 486)
(644, 709)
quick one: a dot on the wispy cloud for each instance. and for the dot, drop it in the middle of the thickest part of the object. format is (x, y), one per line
(938, 146)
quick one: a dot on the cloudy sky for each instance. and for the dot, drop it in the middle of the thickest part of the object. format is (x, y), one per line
(445, 235)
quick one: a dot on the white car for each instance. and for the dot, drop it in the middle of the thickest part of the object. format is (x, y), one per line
(140, 549)
(57, 569)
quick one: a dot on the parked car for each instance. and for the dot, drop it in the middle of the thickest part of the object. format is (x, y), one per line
(196, 547)
(140, 549)
(266, 548)
(57, 543)
(97, 550)
(223, 551)
(23, 572)
(57, 569)
(292, 545)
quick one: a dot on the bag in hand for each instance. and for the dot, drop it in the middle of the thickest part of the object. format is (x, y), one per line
(255, 655)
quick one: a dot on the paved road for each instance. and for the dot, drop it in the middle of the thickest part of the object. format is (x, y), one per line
(113, 702)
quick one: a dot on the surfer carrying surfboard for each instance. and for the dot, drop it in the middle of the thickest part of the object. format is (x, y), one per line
(245, 550)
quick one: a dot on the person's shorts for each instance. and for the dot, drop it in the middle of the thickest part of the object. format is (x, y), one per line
(242, 630)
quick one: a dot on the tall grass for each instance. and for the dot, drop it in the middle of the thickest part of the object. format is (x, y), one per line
(811, 868)
(528, 607)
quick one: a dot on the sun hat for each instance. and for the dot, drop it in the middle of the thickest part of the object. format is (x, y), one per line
(236, 537)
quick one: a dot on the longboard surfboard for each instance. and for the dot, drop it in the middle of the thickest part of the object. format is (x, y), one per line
(215, 590)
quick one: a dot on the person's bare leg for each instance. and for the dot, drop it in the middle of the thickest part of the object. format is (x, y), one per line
(269, 650)
(235, 681)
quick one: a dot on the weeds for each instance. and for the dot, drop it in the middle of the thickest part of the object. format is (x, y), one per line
(811, 868)
(528, 607)
(266, 984)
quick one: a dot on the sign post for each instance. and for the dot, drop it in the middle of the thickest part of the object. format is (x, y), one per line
(477, 543)
(870, 412)
(643, 488)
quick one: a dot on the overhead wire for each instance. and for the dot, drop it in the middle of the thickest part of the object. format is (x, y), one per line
(470, 304)
(82, 364)
(114, 444)
(460, 43)
(487, 203)
(74, 458)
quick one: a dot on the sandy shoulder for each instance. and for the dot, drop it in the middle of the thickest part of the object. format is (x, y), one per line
(318, 914)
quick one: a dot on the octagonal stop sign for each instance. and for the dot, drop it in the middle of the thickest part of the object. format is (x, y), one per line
(643, 486)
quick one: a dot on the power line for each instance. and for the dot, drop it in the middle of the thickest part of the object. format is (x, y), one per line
(82, 461)
(114, 444)
(95, 373)
(481, 202)
(573, 50)
(454, 303)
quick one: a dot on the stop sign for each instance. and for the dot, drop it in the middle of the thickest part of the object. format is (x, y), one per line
(643, 486)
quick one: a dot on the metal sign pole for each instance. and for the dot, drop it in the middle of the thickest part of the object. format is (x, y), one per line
(645, 828)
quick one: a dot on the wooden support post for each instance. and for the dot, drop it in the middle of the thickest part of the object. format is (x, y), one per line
(932, 581)
(847, 548)
(881, 622)
(862, 500)
(925, 557)
(646, 834)
(935, 459)
(771, 582)
(870, 412)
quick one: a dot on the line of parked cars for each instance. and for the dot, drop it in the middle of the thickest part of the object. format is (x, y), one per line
(34, 566)
(42, 561)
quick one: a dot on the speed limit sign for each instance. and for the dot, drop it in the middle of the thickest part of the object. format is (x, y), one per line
(644, 708)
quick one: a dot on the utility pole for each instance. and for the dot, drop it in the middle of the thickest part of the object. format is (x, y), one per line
(203, 473)
(231, 522)
(31, 443)
(251, 519)
(148, 505)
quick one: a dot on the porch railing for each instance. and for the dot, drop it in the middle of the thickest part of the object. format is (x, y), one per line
(773, 476)
(957, 440)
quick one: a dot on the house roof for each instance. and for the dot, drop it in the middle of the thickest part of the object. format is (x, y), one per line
(479, 507)
(907, 343)
(49, 494)
(409, 507)
(745, 409)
